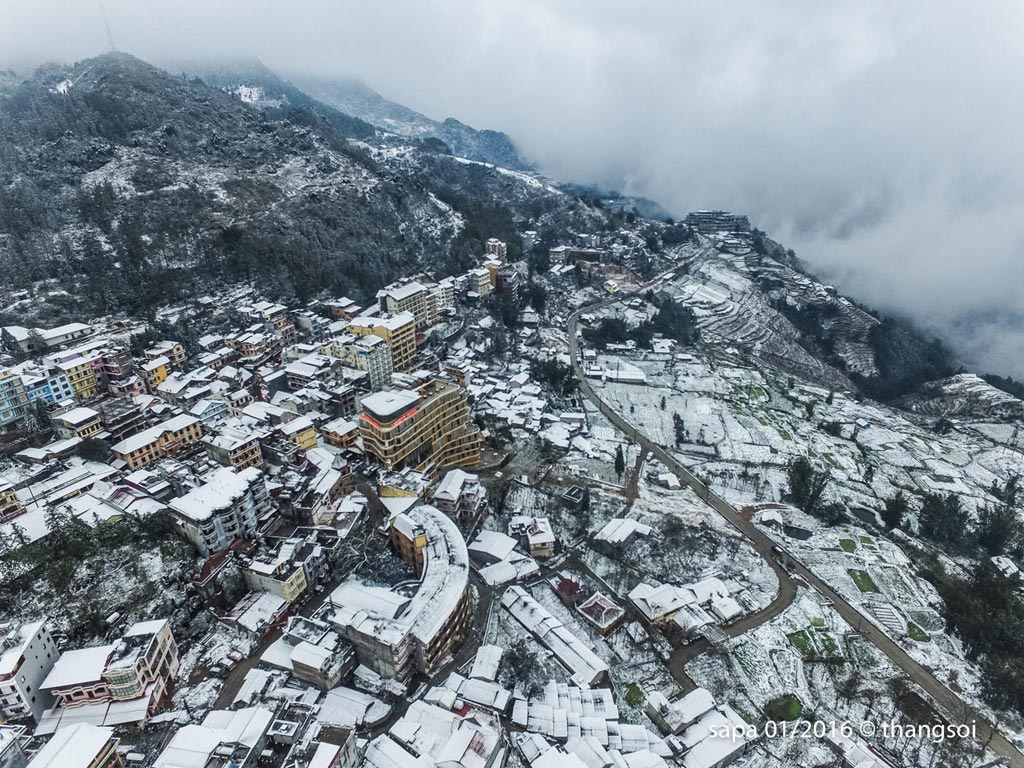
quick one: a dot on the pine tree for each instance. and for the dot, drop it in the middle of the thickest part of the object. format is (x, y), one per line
(807, 485)
(620, 461)
(895, 510)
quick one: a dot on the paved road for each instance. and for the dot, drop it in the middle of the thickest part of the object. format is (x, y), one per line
(952, 704)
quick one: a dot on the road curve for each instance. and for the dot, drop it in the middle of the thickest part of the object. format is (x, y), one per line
(950, 702)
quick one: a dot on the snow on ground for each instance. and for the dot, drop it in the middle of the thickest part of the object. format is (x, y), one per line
(742, 427)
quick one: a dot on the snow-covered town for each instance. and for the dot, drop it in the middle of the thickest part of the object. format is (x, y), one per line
(333, 435)
(393, 535)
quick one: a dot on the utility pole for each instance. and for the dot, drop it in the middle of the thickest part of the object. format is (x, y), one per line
(106, 24)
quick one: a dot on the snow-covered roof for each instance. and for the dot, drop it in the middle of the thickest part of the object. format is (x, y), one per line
(486, 662)
(78, 667)
(492, 546)
(77, 416)
(385, 405)
(14, 642)
(620, 530)
(151, 435)
(193, 745)
(221, 490)
(451, 485)
(585, 665)
(75, 746)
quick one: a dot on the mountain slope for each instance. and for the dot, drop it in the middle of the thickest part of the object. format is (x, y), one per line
(358, 99)
(123, 187)
(129, 185)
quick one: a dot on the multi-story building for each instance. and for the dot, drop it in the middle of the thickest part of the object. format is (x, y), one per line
(80, 422)
(27, 654)
(37, 340)
(228, 506)
(427, 428)
(166, 439)
(144, 663)
(411, 296)
(342, 309)
(234, 447)
(480, 281)
(709, 222)
(300, 431)
(141, 665)
(10, 505)
(396, 635)
(155, 371)
(172, 350)
(368, 353)
(506, 282)
(117, 370)
(399, 331)
(315, 652)
(14, 404)
(497, 248)
(256, 347)
(277, 572)
(460, 495)
(444, 294)
(46, 383)
(81, 376)
(341, 432)
(121, 418)
(82, 745)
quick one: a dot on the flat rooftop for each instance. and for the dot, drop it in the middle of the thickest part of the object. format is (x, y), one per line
(387, 405)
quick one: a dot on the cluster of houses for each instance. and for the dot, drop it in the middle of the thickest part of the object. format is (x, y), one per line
(251, 441)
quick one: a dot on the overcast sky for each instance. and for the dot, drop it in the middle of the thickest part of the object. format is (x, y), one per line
(881, 140)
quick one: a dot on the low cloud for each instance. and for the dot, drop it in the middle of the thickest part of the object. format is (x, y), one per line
(880, 140)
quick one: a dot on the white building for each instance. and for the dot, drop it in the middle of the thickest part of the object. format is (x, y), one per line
(234, 738)
(27, 654)
(460, 495)
(227, 506)
(585, 666)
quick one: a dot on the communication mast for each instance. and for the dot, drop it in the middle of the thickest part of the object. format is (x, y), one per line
(106, 24)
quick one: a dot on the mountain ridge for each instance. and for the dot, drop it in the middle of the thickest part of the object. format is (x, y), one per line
(355, 97)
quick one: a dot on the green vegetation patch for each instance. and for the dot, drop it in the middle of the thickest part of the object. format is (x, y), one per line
(827, 643)
(634, 696)
(802, 642)
(917, 634)
(783, 708)
(849, 545)
(863, 580)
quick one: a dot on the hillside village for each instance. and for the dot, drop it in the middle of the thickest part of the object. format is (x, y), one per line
(397, 535)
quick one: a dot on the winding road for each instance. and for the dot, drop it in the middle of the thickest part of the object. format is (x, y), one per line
(785, 566)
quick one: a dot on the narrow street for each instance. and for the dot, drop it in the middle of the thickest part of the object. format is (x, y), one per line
(954, 707)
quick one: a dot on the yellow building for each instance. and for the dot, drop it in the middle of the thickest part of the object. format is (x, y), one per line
(82, 423)
(411, 297)
(10, 504)
(172, 350)
(156, 372)
(282, 578)
(81, 377)
(480, 280)
(234, 447)
(427, 428)
(161, 441)
(300, 431)
(409, 541)
(399, 331)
